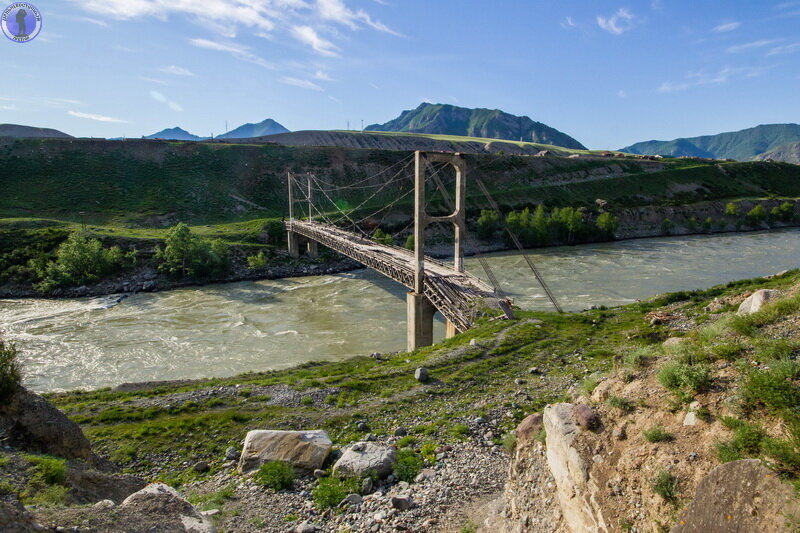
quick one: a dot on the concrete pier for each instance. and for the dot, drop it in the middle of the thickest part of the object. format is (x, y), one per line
(293, 244)
(420, 320)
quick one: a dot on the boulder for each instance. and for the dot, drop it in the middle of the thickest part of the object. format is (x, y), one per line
(31, 423)
(88, 486)
(421, 374)
(160, 505)
(575, 490)
(363, 458)
(756, 301)
(14, 518)
(740, 496)
(304, 450)
(586, 417)
(529, 428)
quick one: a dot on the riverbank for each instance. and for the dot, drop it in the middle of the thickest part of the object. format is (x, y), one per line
(481, 385)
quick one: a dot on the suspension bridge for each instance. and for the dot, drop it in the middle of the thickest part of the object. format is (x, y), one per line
(433, 285)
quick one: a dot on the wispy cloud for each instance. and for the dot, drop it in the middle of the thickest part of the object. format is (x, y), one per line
(98, 118)
(176, 70)
(8, 107)
(337, 11)
(622, 21)
(701, 78)
(622, 94)
(303, 84)
(750, 46)
(568, 23)
(728, 26)
(308, 35)
(236, 50)
(96, 22)
(159, 97)
(322, 75)
(784, 49)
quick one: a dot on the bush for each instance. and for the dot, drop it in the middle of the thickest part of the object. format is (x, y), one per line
(382, 238)
(185, 254)
(409, 244)
(640, 357)
(330, 491)
(406, 442)
(623, 404)
(10, 370)
(55, 495)
(666, 486)
(708, 224)
(757, 215)
(677, 376)
(657, 434)
(775, 388)
(80, 260)
(277, 475)
(607, 224)
(746, 441)
(257, 261)
(408, 465)
(488, 223)
(510, 441)
(731, 209)
(667, 226)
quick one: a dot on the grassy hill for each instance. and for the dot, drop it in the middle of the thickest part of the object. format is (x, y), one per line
(484, 123)
(788, 153)
(19, 131)
(741, 145)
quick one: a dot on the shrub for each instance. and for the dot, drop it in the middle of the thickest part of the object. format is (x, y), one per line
(640, 357)
(382, 238)
(667, 226)
(692, 224)
(257, 261)
(428, 452)
(10, 370)
(731, 209)
(407, 441)
(708, 224)
(408, 465)
(79, 260)
(774, 388)
(757, 215)
(185, 254)
(459, 430)
(330, 491)
(666, 486)
(657, 434)
(55, 495)
(746, 441)
(409, 244)
(510, 441)
(589, 384)
(277, 475)
(488, 223)
(676, 376)
(607, 223)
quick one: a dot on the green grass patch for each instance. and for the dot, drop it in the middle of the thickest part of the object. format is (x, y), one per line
(277, 475)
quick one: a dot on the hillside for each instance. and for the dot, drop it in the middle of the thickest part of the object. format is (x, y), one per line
(486, 123)
(246, 131)
(19, 131)
(788, 153)
(174, 134)
(144, 182)
(741, 145)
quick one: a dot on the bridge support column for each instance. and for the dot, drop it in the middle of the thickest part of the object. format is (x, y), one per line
(293, 243)
(313, 249)
(420, 320)
(450, 330)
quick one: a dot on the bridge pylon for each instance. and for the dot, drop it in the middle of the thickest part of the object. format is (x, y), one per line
(420, 321)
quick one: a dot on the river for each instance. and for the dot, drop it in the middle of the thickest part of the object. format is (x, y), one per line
(226, 329)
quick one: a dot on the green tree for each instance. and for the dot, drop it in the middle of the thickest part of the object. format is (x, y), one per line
(186, 254)
(79, 260)
(382, 238)
(607, 223)
(757, 215)
(667, 226)
(692, 224)
(541, 228)
(708, 224)
(731, 209)
(488, 223)
(410, 242)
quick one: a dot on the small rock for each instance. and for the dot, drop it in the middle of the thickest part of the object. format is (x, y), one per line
(104, 504)
(619, 433)
(400, 432)
(201, 467)
(210, 512)
(586, 417)
(319, 473)
(402, 502)
(421, 374)
(305, 527)
(367, 485)
(473, 342)
(520, 381)
(362, 426)
(534, 370)
(351, 499)
(232, 454)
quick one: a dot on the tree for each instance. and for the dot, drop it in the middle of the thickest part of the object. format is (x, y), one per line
(410, 242)
(541, 228)
(186, 254)
(757, 215)
(607, 223)
(382, 238)
(488, 223)
(731, 209)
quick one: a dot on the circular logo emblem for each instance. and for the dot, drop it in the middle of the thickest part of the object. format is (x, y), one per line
(21, 22)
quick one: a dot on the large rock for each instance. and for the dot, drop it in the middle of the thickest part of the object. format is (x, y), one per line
(161, 506)
(363, 458)
(31, 423)
(529, 428)
(14, 518)
(305, 450)
(756, 301)
(90, 486)
(740, 496)
(576, 490)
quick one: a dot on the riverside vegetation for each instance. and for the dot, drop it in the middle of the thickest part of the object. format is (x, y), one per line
(482, 384)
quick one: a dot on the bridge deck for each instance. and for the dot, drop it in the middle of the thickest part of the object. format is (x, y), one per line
(457, 295)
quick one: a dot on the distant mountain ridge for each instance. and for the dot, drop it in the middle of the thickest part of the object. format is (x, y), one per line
(18, 130)
(742, 145)
(788, 153)
(245, 131)
(447, 119)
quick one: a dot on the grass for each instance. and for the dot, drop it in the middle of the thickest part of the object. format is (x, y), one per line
(677, 376)
(622, 404)
(666, 485)
(330, 491)
(277, 475)
(51, 470)
(213, 500)
(409, 464)
(657, 434)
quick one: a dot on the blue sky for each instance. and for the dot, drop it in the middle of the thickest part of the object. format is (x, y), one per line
(608, 73)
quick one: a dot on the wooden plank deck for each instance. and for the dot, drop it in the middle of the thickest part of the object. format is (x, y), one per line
(457, 295)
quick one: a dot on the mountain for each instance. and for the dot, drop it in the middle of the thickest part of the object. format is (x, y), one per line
(174, 134)
(246, 131)
(788, 153)
(742, 145)
(446, 119)
(17, 130)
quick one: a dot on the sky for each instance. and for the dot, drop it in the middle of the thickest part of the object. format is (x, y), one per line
(609, 73)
